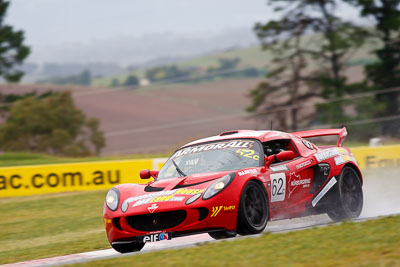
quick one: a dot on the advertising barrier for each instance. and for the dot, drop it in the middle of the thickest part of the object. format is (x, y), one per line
(377, 157)
(52, 178)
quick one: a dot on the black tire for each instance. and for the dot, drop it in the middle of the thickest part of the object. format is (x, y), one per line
(348, 202)
(128, 247)
(253, 210)
(222, 234)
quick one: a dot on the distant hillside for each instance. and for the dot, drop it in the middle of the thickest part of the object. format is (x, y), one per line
(160, 118)
(250, 57)
(120, 52)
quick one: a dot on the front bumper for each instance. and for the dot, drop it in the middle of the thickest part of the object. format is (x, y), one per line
(177, 220)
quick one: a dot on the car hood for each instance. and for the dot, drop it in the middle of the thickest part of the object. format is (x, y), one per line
(191, 180)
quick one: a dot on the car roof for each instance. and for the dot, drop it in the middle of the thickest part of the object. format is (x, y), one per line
(263, 136)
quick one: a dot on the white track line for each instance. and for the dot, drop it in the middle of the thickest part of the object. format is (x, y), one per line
(183, 242)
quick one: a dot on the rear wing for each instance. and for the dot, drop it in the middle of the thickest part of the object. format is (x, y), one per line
(342, 133)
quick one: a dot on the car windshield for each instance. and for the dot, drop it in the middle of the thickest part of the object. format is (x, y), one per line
(227, 155)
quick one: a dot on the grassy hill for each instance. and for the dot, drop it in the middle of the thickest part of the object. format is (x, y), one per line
(252, 56)
(249, 57)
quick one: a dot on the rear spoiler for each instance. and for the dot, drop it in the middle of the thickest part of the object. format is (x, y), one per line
(342, 133)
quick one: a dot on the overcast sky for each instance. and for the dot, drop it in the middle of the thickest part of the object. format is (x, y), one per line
(104, 30)
(57, 21)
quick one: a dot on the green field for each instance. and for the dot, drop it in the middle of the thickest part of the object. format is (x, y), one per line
(51, 225)
(371, 243)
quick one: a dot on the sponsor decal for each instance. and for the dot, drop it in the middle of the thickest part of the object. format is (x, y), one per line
(247, 153)
(326, 154)
(279, 168)
(162, 196)
(158, 199)
(192, 162)
(305, 182)
(213, 146)
(342, 151)
(152, 208)
(278, 186)
(303, 164)
(295, 181)
(307, 144)
(251, 171)
(154, 237)
(227, 209)
(339, 160)
(215, 210)
(106, 221)
(328, 186)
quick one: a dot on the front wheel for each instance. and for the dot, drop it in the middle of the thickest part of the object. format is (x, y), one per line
(253, 210)
(128, 247)
(349, 197)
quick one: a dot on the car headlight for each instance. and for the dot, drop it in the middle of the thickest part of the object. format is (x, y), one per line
(112, 199)
(218, 186)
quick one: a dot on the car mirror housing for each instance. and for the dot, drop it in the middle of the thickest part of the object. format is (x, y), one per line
(147, 174)
(281, 156)
(285, 155)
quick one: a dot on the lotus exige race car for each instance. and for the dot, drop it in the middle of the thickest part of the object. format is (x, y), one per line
(234, 183)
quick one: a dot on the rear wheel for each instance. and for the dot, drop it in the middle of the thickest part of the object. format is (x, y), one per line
(253, 210)
(128, 247)
(349, 197)
(222, 234)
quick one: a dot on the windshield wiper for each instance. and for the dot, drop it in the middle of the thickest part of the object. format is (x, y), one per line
(181, 173)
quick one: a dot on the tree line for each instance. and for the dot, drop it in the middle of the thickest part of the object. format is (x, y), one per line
(311, 47)
(44, 123)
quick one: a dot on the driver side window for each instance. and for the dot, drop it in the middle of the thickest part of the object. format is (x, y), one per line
(276, 146)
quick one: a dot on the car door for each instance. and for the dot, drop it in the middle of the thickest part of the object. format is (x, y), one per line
(281, 175)
(301, 173)
(299, 180)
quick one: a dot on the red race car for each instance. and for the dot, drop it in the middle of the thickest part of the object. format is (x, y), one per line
(234, 183)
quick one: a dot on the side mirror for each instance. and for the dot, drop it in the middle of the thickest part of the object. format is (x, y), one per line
(147, 174)
(285, 155)
(281, 156)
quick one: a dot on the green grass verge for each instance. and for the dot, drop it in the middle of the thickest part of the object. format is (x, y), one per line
(19, 159)
(51, 225)
(371, 243)
(59, 224)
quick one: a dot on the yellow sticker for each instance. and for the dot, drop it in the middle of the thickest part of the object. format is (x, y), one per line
(248, 153)
(215, 211)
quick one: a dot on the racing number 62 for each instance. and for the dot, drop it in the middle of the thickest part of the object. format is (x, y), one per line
(278, 186)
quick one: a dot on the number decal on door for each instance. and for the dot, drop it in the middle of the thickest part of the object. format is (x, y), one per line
(278, 187)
